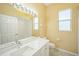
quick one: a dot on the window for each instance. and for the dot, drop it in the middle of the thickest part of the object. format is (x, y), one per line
(65, 20)
(36, 23)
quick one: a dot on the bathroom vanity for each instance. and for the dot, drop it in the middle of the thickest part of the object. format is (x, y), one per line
(32, 46)
(13, 41)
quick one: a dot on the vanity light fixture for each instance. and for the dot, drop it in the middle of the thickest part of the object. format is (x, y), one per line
(25, 9)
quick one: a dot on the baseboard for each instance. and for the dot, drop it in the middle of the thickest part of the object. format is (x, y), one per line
(67, 51)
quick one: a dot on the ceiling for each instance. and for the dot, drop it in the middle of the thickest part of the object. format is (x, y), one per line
(47, 4)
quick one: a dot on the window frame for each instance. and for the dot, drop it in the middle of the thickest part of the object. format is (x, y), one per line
(70, 20)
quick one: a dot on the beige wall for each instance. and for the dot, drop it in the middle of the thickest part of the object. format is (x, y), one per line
(64, 40)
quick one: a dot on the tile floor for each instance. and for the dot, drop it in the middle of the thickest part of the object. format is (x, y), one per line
(56, 52)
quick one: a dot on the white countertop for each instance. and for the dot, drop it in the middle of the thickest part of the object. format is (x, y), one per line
(28, 49)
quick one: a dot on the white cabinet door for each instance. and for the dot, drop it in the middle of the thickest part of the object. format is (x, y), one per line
(44, 51)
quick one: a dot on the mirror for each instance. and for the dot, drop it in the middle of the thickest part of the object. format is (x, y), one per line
(14, 28)
(24, 28)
